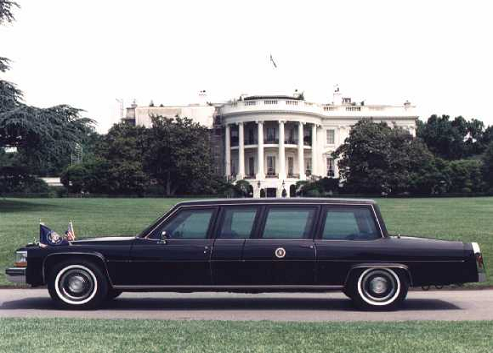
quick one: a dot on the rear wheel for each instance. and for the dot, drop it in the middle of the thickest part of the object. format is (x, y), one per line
(378, 288)
(77, 285)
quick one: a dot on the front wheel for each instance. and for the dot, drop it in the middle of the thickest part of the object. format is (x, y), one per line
(77, 285)
(378, 288)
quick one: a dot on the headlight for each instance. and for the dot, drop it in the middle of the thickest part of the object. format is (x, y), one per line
(21, 259)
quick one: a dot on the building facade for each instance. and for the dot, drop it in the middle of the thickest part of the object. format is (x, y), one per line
(273, 141)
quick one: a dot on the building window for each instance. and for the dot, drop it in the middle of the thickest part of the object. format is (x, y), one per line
(251, 137)
(330, 167)
(271, 165)
(233, 167)
(291, 167)
(271, 135)
(251, 166)
(308, 168)
(291, 133)
(234, 137)
(330, 137)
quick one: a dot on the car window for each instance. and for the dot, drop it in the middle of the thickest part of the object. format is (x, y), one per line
(288, 222)
(189, 224)
(356, 223)
(237, 222)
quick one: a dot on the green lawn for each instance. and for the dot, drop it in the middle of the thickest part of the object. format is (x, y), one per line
(467, 219)
(78, 335)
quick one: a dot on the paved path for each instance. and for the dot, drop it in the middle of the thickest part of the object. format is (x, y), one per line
(433, 305)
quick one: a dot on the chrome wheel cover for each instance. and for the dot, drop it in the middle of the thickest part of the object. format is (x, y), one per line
(76, 284)
(378, 286)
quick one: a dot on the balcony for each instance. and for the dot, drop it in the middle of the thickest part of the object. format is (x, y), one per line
(271, 141)
(301, 106)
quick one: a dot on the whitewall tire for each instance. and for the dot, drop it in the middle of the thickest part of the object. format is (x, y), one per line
(378, 288)
(77, 285)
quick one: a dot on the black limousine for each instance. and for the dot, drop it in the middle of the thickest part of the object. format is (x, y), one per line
(252, 246)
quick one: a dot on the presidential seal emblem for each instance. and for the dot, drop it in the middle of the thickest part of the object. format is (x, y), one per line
(280, 253)
(54, 238)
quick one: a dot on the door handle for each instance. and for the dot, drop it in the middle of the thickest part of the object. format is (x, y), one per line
(206, 248)
(307, 246)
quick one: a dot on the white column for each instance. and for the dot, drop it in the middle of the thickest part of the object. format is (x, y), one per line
(241, 152)
(314, 149)
(227, 152)
(301, 156)
(282, 154)
(260, 150)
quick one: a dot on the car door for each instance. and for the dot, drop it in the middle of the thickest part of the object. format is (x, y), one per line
(236, 224)
(349, 234)
(283, 251)
(182, 257)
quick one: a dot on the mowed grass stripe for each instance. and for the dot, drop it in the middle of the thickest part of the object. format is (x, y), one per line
(76, 335)
(466, 219)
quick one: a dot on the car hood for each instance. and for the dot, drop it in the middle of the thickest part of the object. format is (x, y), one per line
(113, 240)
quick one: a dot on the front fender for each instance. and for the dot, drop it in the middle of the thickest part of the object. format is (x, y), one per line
(51, 259)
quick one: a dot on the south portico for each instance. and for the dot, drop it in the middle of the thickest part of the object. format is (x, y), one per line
(286, 151)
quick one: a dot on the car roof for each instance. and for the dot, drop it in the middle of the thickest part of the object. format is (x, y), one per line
(265, 201)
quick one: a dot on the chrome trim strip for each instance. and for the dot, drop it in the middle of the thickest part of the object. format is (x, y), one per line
(198, 287)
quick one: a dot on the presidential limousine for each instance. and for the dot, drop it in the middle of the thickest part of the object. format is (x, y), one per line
(252, 246)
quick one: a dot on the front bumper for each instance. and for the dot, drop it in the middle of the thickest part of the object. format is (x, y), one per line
(16, 274)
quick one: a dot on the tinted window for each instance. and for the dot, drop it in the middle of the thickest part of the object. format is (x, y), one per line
(288, 222)
(237, 223)
(348, 223)
(189, 224)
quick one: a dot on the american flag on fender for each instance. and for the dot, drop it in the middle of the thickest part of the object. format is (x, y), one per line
(70, 234)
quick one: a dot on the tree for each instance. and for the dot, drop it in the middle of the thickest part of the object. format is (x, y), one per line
(454, 139)
(114, 166)
(6, 14)
(39, 134)
(178, 155)
(378, 159)
(487, 169)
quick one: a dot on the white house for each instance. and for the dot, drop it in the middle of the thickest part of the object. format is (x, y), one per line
(273, 141)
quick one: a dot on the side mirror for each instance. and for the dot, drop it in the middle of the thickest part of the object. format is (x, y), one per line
(164, 238)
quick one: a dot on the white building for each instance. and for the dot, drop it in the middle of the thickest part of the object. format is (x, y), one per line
(296, 137)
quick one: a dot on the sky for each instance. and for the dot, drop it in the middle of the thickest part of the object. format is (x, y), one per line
(436, 54)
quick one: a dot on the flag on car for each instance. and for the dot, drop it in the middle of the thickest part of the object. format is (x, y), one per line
(50, 237)
(70, 234)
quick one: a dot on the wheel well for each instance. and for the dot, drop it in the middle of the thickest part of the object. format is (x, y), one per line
(54, 259)
(396, 267)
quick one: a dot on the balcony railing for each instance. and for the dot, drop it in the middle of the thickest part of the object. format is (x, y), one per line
(251, 141)
(272, 141)
(328, 109)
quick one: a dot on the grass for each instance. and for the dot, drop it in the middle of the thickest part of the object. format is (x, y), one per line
(467, 219)
(78, 335)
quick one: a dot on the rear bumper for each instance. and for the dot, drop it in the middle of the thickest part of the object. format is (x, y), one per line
(16, 274)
